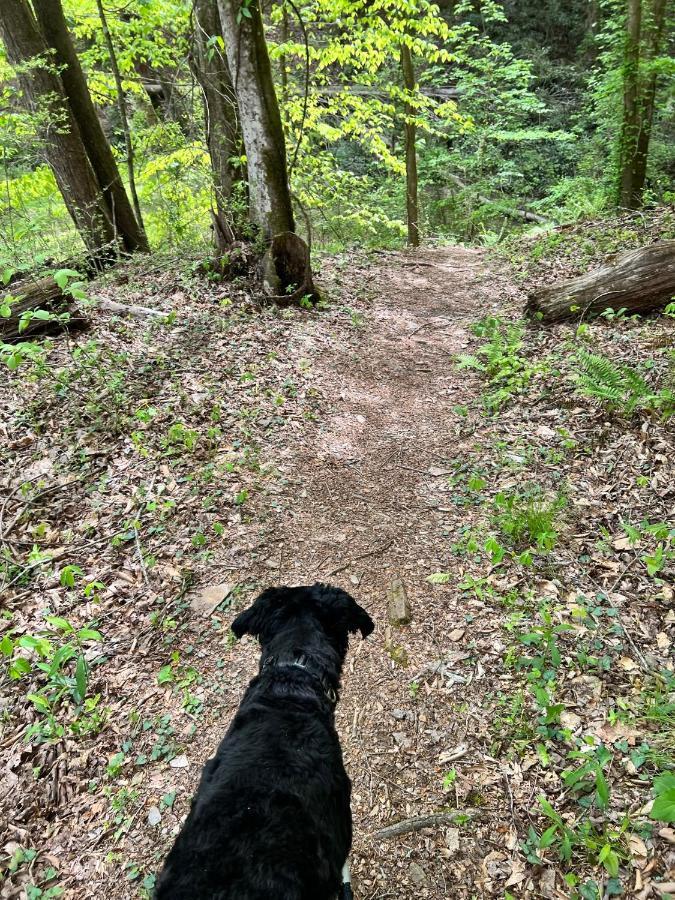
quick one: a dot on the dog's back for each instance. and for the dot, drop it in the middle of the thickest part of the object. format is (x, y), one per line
(271, 819)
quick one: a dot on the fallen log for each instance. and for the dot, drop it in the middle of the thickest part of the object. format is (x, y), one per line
(639, 281)
(44, 295)
(35, 295)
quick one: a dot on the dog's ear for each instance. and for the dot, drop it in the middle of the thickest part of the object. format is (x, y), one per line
(341, 611)
(257, 617)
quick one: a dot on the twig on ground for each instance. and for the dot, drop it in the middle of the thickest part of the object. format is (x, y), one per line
(360, 556)
(417, 824)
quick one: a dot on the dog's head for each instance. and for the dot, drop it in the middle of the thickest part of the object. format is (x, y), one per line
(337, 612)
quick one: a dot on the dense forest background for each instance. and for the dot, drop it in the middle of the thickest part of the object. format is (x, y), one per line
(520, 114)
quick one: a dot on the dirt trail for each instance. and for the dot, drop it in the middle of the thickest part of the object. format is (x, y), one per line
(347, 485)
(367, 503)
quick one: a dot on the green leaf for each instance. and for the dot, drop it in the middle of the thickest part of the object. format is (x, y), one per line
(438, 578)
(81, 677)
(663, 809)
(601, 789)
(39, 702)
(664, 782)
(548, 837)
(63, 276)
(89, 634)
(18, 667)
(59, 623)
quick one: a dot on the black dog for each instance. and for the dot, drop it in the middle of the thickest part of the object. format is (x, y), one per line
(271, 819)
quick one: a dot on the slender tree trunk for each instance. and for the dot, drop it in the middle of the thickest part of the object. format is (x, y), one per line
(62, 141)
(648, 98)
(270, 200)
(283, 65)
(122, 106)
(630, 128)
(223, 132)
(52, 22)
(412, 204)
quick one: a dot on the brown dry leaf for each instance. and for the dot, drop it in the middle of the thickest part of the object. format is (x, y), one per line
(663, 642)
(627, 664)
(637, 846)
(210, 597)
(617, 732)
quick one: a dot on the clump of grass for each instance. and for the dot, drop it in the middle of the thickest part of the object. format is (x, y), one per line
(524, 520)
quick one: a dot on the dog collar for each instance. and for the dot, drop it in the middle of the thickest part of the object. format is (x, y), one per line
(301, 662)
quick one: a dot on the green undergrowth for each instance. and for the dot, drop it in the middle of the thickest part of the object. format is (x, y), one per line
(589, 702)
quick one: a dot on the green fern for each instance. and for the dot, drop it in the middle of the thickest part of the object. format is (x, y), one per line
(619, 386)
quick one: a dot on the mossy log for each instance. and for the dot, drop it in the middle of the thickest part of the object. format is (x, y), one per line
(639, 281)
(39, 294)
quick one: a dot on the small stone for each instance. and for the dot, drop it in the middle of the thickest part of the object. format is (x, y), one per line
(452, 839)
(209, 598)
(399, 606)
(154, 816)
(417, 874)
(179, 762)
(457, 634)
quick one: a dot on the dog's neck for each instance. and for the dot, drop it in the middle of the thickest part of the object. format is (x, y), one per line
(305, 647)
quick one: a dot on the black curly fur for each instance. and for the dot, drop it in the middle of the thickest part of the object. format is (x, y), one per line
(271, 819)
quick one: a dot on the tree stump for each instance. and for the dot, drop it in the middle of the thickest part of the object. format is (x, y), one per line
(286, 270)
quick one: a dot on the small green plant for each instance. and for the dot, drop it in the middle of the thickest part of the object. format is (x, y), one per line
(663, 809)
(56, 659)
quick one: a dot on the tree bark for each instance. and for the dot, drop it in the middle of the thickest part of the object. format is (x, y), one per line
(412, 199)
(122, 106)
(269, 196)
(223, 132)
(639, 281)
(53, 25)
(63, 146)
(648, 99)
(630, 127)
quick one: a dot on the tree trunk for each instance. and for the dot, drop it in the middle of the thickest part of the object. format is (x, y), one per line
(648, 98)
(248, 59)
(63, 146)
(412, 203)
(639, 281)
(52, 22)
(630, 127)
(122, 106)
(223, 133)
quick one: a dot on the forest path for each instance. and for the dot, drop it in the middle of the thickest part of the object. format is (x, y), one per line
(367, 502)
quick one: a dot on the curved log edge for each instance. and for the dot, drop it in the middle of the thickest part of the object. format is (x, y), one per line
(639, 281)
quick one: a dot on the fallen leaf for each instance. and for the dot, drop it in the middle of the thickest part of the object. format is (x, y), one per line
(637, 846)
(617, 732)
(570, 720)
(662, 640)
(627, 664)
